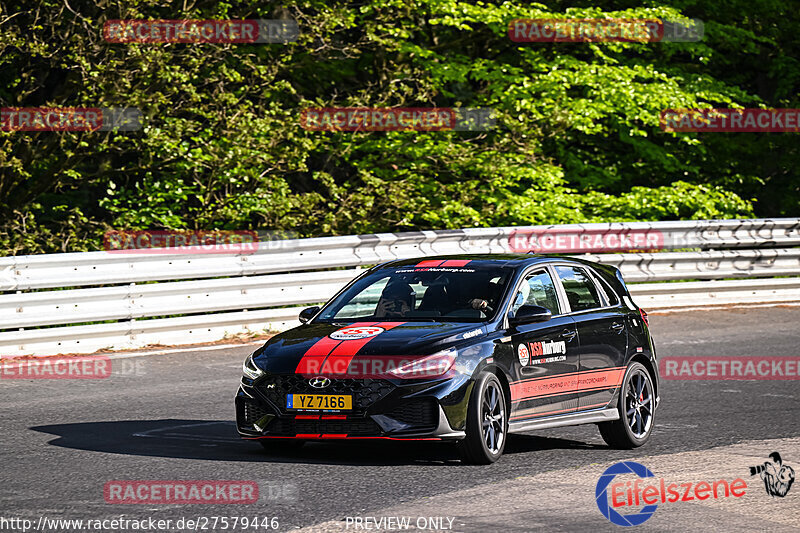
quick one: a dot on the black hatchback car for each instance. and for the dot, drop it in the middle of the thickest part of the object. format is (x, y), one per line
(466, 348)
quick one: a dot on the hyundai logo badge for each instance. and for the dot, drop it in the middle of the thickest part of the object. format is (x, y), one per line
(319, 382)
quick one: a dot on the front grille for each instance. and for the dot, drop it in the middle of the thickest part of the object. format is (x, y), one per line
(365, 392)
(354, 427)
(418, 413)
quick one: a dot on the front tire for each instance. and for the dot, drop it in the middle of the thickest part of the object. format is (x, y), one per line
(636, 406)
(487, 422)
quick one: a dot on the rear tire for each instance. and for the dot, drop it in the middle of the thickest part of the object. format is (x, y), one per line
(636, 406)
(487, 422)
(281, 445)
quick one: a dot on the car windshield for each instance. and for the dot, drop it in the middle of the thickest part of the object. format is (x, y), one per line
(453, 294)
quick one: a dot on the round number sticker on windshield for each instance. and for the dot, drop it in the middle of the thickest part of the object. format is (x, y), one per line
(356, 332)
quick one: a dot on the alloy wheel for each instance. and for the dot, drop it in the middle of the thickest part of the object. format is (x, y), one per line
(493, 413)
(639, 403)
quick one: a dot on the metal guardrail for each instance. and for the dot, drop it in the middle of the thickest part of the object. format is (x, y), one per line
(138, 333)
(132, 301)
(294, 255)
(287, 273)
(707, 294)
(716, 264)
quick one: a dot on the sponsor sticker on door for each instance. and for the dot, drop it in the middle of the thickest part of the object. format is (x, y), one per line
(524, 355)
(548, 347)
(527, 352)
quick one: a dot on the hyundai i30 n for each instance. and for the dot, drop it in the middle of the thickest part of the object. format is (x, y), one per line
(465, 348)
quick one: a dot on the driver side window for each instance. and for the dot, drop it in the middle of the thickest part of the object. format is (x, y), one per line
(537, 289)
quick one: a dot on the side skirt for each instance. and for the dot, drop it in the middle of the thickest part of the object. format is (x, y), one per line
(569, 419)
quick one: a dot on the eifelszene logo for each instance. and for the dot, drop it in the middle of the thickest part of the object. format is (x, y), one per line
(777, 477)
(635, 494)
(602, 499)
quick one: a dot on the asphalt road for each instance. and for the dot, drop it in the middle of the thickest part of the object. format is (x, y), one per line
(170, 417)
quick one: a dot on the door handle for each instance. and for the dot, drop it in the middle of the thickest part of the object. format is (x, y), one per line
(617, 326)
(569, 334)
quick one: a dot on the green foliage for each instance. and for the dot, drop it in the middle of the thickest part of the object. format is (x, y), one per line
(578, 137)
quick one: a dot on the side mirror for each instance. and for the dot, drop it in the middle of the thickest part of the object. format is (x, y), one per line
(308, 313)
(528, 314)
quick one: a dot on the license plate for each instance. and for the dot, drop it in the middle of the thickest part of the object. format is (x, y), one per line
(339, 402)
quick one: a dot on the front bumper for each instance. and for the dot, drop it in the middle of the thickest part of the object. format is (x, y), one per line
(382, 409)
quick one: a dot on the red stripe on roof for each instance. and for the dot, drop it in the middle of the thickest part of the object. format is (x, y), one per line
(430, 263)
(455, 262)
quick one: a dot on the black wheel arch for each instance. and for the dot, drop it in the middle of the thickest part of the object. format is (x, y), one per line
(504, 382)
(651, 369)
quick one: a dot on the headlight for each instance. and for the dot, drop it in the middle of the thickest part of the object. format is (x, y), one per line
(250, 370)
(432, 366)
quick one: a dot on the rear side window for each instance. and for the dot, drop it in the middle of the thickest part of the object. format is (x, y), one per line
(608, 292)
(581, 290)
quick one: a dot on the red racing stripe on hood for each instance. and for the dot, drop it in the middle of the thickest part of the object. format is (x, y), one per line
(339, 359)
(312, 360)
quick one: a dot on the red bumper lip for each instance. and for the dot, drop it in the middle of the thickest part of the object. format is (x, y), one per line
(320, 417)
(327, 436)
(304, 436)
